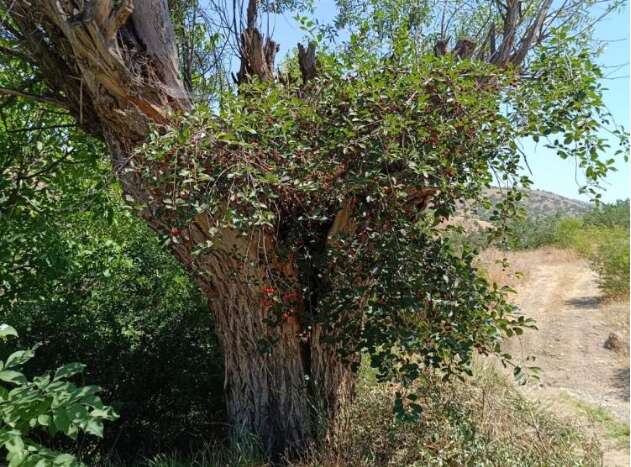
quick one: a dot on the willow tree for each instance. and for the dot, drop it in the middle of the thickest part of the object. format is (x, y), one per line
(309, 205)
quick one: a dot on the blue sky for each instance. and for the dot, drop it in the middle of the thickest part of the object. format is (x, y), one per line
(553, 174)
(548, 171)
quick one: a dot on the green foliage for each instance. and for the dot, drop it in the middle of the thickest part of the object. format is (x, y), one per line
(601, 235)
(607, 247)
(530, 233)
(609, 215)
(611, 260)
(43, 181)
(368, 135)
(49, 404)
(116, 300)
(569, 234)
(274, 161)
(562, 102)
(437, 299)
(91, 283)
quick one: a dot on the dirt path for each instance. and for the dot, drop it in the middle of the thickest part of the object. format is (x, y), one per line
(580, 378)
(560, 292)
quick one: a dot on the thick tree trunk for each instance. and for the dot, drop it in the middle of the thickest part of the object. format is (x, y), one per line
(265, 386)
(283, 384)
(115, 67)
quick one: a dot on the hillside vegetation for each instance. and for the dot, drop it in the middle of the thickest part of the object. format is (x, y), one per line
(601, 235)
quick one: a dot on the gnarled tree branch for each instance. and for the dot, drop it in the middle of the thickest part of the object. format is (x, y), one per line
(257, 53)
(307, 61)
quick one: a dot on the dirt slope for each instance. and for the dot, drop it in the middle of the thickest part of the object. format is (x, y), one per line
(560, 292)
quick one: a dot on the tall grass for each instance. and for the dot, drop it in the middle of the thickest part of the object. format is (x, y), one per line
(481, 421)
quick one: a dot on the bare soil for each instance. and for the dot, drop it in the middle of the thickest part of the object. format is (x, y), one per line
(560, 291)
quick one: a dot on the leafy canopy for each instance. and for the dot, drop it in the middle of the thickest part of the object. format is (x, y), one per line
(370, 141)
(353, 174)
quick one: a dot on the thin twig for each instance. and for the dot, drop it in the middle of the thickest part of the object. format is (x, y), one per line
(39, 98)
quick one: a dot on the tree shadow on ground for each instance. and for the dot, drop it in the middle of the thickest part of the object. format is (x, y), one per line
(586, 302)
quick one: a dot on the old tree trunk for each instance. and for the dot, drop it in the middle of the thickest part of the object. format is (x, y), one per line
(113, 65)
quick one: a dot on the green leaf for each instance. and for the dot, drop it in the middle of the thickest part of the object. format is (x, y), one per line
(62, 420)
(68, 370)
(94, 427)
(44, 419)
(16, 451)
(77, 413)
(7, 331)
(19, 358)
(66, 460)
(106, 413)
(12, 376)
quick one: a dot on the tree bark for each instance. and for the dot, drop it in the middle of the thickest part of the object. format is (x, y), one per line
(265, 383)
(116, 68)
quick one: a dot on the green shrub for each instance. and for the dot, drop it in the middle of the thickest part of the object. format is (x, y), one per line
(610, 259)
(112, 298)
(609, 215)
(533, 233)
(44, 407)
(93, 284)
(570, 233)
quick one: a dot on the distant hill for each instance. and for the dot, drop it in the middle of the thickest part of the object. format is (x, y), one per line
(540, 203)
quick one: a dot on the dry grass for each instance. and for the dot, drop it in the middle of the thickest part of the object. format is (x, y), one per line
(482, 421)
(516, 268)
